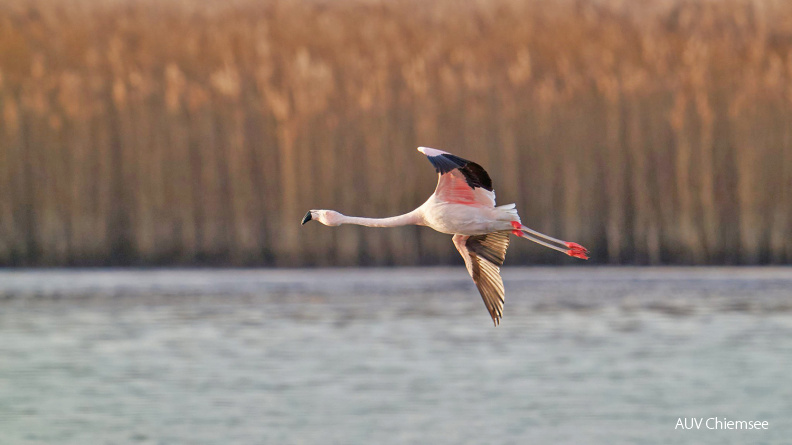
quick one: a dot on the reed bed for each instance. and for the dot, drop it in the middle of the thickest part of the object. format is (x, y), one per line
(199, 132)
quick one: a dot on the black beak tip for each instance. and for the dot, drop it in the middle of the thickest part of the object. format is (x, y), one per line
(306, 218)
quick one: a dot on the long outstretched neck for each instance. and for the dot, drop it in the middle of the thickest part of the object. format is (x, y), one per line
(408, 219)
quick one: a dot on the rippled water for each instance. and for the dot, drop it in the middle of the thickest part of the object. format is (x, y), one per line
(583, 356)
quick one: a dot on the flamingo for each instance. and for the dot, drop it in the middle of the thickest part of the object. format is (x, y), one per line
(463, 205)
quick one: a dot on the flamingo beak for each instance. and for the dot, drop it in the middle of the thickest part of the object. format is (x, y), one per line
(306, 218)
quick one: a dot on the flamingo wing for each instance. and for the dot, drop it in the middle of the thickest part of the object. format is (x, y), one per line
(483, 255)
(460, 181)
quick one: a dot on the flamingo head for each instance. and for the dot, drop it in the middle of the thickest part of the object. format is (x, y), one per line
(326, 217)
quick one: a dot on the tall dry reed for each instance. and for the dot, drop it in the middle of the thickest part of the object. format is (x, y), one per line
(187, 132)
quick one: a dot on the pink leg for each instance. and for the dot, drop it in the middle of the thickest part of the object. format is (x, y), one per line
(572, 249)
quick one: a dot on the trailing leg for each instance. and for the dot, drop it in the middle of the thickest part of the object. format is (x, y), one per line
(569, 248)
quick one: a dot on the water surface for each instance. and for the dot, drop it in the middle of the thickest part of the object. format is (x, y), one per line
(381, 356)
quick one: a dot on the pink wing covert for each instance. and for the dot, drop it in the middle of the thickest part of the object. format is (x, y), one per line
(461, 181)
(453, 188)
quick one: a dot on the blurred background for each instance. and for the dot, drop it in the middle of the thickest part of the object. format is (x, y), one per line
(199, 132)
(176, 144)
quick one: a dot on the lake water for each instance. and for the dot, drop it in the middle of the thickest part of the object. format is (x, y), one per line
(393, 356)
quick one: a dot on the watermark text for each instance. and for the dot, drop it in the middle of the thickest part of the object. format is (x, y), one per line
(716, 423)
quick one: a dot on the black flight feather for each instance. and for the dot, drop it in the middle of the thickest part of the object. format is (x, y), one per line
(475, 175)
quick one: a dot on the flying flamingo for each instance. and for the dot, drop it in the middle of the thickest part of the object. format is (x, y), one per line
(463, 205)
